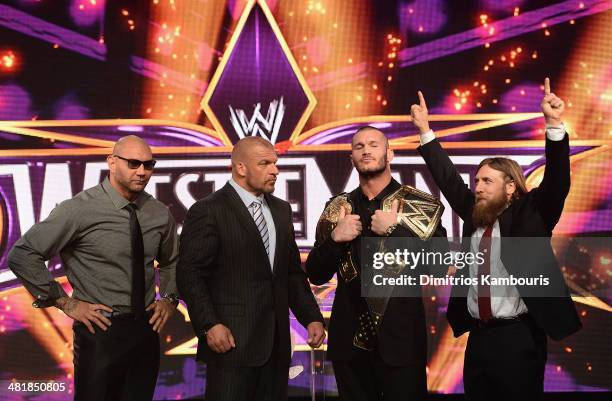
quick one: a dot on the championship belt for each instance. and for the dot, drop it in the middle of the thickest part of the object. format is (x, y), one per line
(366, 336)
(420, 213)
(327, 223)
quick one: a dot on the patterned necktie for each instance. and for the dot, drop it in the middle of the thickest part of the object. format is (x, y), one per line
(260, 222)
(138, 272)
(484, 290)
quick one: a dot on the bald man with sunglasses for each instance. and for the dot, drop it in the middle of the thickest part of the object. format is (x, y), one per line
(108, 238)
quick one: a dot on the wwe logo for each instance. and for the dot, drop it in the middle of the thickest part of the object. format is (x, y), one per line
(266, 127)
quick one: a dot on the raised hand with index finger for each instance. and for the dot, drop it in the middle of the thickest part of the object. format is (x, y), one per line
(418, 112)
(552, 106)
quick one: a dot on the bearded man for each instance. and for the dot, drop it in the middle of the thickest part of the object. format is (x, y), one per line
(507, 346)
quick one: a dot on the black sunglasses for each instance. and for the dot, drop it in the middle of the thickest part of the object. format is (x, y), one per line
(135, 163)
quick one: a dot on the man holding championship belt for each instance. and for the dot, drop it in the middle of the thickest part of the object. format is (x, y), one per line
(377, 345)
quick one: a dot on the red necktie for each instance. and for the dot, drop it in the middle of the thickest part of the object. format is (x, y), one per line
(484, 290)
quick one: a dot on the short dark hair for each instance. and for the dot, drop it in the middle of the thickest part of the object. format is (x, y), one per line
(369, 127)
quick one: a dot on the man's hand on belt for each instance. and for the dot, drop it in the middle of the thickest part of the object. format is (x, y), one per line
(162, 310)
(85, 312)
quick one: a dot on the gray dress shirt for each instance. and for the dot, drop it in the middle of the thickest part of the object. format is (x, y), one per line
(91, 233)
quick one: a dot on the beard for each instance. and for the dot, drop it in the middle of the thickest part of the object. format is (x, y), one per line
(373, 171)
(485, 212)
(269, 187)
(260, 187)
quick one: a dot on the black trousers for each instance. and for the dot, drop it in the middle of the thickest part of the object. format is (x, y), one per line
(368, 378)
(505, 362)
(120, 364)
(248, 383)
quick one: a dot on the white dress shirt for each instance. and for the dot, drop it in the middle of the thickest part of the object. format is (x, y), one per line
(505, 299)
(248, 199)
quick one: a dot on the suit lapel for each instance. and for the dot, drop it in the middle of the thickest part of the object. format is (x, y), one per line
(355, 244)
(245, 216)
(505, 227)
(505, 221)
(277, 218)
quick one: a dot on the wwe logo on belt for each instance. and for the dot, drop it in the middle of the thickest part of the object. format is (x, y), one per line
(267, 127)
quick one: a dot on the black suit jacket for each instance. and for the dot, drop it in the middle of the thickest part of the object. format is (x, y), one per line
(533, 215)
(402, 336)
(224, 276)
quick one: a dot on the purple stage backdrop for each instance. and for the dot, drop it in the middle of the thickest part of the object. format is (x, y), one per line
(193, 77)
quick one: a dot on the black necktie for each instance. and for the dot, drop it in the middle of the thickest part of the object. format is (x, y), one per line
(138, 272)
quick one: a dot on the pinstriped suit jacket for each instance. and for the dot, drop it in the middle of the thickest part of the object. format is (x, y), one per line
(224, 276)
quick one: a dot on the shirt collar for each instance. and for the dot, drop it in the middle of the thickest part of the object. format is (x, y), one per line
(388, 190)
(246, 197)
(118, 200)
